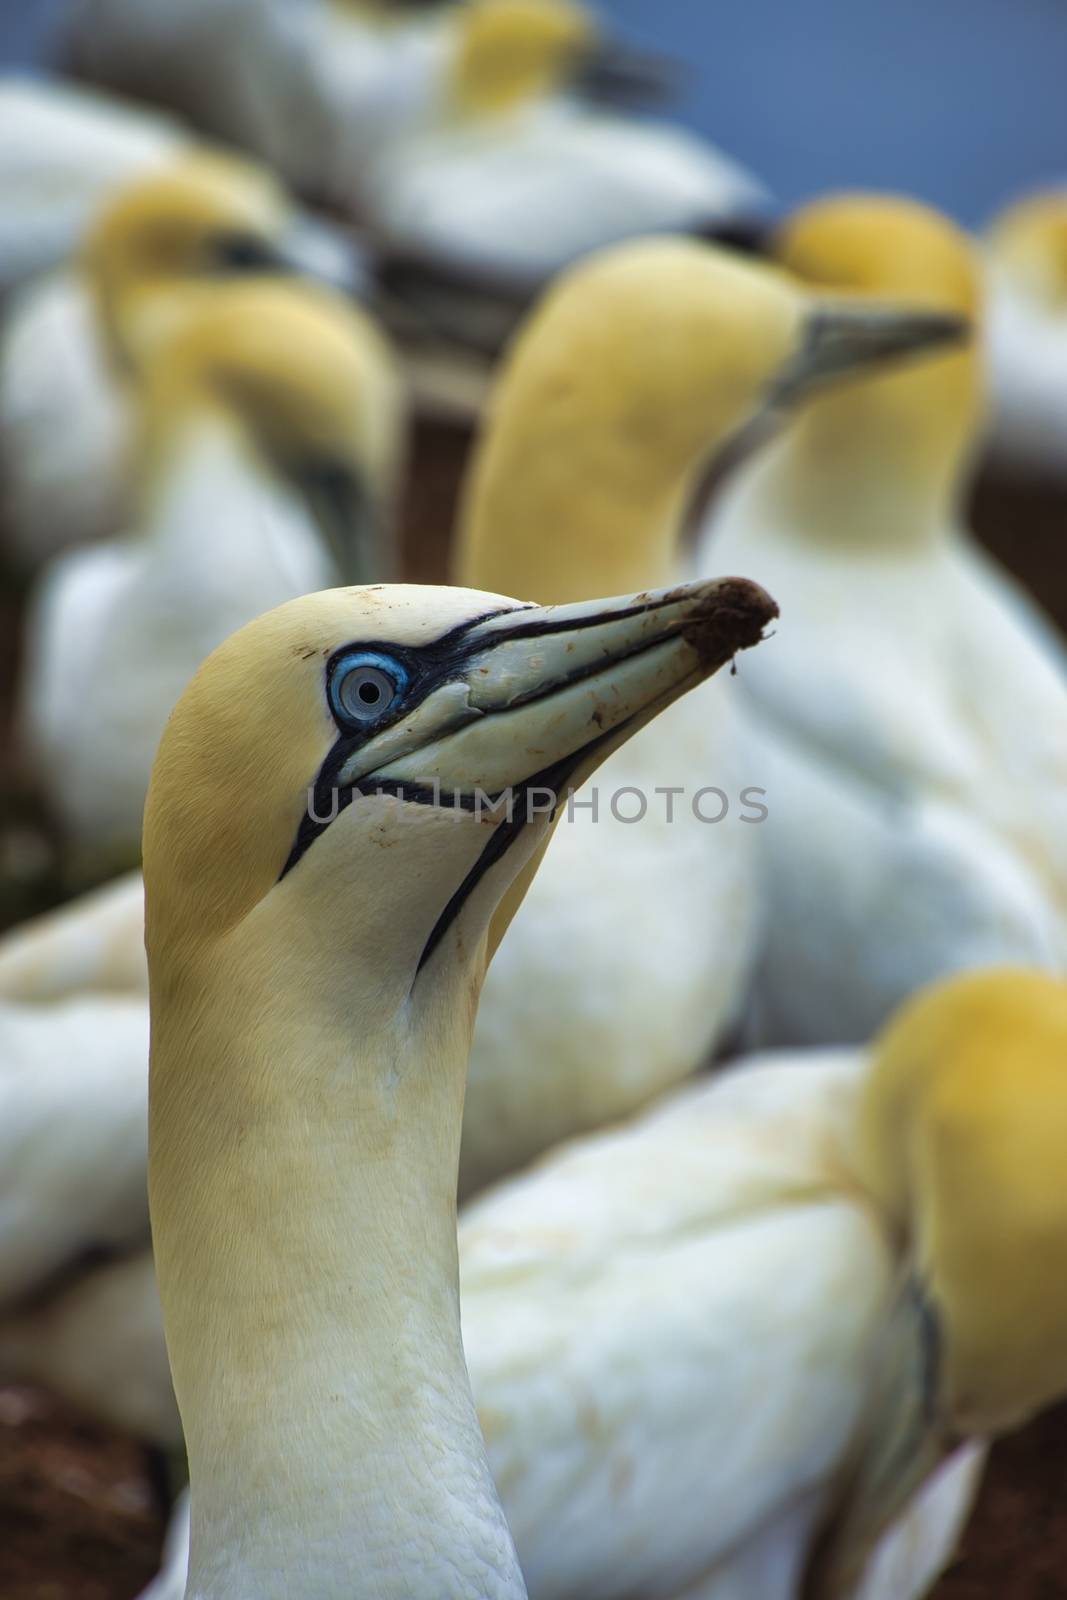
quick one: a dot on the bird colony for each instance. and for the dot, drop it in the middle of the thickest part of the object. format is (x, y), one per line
(590, 1120)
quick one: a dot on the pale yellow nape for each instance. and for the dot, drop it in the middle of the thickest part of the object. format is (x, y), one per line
(963, 1128)
(223, 763)
(161, 231)
(307, 374)
(511, 52)
(636, 365)
(1030, 239)
(914, 428)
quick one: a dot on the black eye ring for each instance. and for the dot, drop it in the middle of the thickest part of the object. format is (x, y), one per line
(365, 686)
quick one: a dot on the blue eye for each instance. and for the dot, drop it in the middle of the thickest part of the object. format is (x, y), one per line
(365, 686)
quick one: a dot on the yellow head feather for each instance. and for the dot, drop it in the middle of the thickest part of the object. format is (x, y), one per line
(307, 378)
(511, 52)
(634, 367)
(201, 218)
(920, 423)
(963, 1126)
(1030, 241)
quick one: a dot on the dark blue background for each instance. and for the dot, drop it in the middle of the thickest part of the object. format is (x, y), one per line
(963, 102)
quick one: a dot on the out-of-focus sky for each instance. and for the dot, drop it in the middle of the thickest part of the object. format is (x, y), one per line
(963, 102)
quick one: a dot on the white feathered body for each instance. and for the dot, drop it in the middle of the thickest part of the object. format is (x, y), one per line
(62, 150)
(906, 723)
(92, 944)
(669, 1329)
(1027, 348)
(73, 1130)
(116, 632)
(64, 423)
(629, 956)
(526, 194)
(98, 1342)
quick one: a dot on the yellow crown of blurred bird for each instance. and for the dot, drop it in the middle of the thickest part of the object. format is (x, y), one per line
(917, 810)
(206, 217)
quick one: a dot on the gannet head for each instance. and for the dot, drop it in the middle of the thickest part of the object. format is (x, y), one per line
(1028, 242)
(509, 53)
(336, 776)
(923, 421)
(204, 218)
(638, 364)
(310, 388)
(963, 1128)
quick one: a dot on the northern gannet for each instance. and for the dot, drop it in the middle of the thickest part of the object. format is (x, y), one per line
(958, 1127)
(464, 133)
(903, 725)
(72, 340)
(340, 800)
(1026, 255)
(633, 371)
(268, 443)
(752, 1342)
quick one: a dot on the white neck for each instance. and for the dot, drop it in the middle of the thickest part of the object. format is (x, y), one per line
(856, 501)
(314, 1336)
(226, 529)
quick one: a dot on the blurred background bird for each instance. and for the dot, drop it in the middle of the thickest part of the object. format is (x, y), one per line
(267, 445)
(920, 825)
(72, 342)
(1026, 248)
(624, 383)
(730, 1346)
(478, 134)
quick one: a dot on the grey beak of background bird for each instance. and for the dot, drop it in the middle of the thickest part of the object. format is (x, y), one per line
(849, 337)
(317, 249)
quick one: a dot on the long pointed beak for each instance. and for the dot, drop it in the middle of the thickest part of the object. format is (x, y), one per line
(842, 337)
(545, 693)
(535, 699)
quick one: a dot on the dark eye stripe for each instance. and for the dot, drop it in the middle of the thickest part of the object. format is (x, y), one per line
(427, 667)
